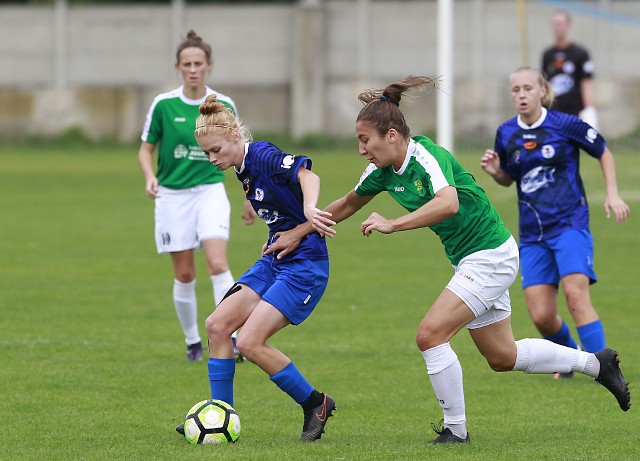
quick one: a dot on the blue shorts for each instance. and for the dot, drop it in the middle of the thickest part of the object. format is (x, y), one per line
(546, 262)
(294, 287)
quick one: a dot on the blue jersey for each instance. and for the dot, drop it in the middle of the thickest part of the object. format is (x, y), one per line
(270, 181)
(544, 161)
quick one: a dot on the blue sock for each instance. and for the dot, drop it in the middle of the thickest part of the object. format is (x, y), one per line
(291, 381)
(221, 373)
(592, 336)
(562, 337)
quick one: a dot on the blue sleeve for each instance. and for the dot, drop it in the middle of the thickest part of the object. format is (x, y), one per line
(280, 166)
(583, 135)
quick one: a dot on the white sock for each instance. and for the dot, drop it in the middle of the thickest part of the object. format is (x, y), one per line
(184, 298)
(538, 356)
(221, 284)
(445, 374)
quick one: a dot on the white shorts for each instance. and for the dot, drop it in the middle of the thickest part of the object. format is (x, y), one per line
(482, 281)
(186, 217)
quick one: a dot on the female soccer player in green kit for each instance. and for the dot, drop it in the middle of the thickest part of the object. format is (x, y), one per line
(440, 194)
(191, 206)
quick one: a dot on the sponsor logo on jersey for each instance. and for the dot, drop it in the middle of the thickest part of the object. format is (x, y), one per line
(288, 161)
(180, 151)
(537, 178)
(529, 145)
(259, 194)
(269, 216)
(180, 119)
(528, 136)
(548, 151)
(398, 189)
(591, 136)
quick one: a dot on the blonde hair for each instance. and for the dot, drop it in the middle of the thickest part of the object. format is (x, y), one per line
(216, 117)
(382, 107)
(548, 98)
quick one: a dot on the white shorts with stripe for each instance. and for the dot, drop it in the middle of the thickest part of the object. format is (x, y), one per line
(482, 281)
(186, 217)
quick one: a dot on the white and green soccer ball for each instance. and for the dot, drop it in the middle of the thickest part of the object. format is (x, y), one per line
(212, 421)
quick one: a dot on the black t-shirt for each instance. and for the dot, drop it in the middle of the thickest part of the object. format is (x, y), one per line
(565, 69)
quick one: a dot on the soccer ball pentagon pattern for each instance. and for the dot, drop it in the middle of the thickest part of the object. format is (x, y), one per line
(212, 421)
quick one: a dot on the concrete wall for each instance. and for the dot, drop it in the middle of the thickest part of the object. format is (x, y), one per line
(294, 67)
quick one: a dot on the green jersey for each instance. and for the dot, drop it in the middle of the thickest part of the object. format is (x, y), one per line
(171, 122)
(427, 169)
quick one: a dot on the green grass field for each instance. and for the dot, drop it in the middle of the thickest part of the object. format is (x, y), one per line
(92, 355)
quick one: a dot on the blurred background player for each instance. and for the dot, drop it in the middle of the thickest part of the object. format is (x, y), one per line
(439, 193)
(191, 206)
(539, 150)
(274, 293)
(570, 70)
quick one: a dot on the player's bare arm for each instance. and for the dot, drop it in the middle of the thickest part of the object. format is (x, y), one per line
(443, 205)
(319, 219)
(340, 210)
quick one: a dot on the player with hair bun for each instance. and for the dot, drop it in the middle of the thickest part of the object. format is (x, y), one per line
(191, 206)
(440, 194)
(275, 292)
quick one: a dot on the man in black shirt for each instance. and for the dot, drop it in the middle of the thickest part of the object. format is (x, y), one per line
(570, 70)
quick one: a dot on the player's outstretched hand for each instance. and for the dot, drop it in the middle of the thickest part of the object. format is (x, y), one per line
(321, 221)
(376, 222)
(287, 241)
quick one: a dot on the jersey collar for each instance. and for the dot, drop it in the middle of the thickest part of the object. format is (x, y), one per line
(411, 149)
(193, 102)
(536, 124)
(246, 151)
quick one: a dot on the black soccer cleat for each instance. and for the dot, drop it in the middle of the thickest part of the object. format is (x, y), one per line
(611, 377)
(316, 418)
(180, 429)
(446, 436)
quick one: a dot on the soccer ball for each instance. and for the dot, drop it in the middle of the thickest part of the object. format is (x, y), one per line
(212, 421)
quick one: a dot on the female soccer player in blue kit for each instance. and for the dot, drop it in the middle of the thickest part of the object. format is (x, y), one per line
(274, 292)
(539, 150)
(439, 193)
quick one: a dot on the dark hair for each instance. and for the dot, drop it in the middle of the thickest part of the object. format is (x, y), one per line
(382, 107)
(193, 40)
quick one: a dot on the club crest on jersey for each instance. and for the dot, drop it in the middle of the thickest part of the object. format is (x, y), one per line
(548, 151)
(180, 151)
(418, 185)
(288, 161)
(516, 156)
(259, 194)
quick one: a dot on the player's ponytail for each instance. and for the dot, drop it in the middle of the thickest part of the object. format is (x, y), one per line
(382, 107)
